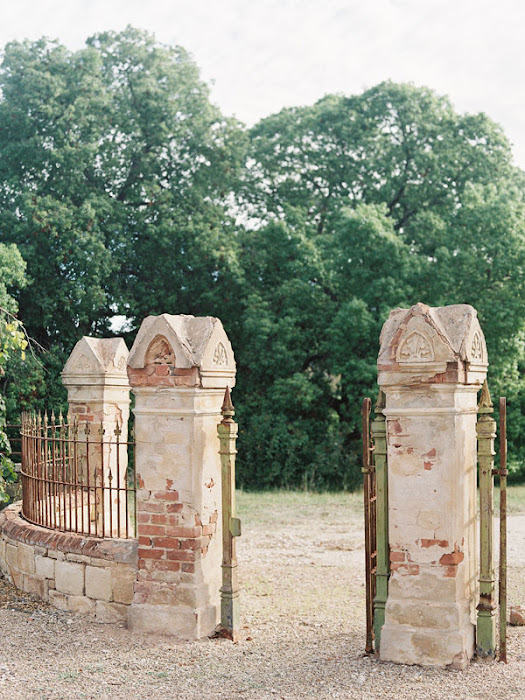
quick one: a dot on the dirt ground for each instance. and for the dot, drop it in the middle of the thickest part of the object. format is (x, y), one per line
(301, 566)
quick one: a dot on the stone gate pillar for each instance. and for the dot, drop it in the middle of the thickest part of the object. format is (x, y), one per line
(432, 363)
(178, 368)
(98, 396)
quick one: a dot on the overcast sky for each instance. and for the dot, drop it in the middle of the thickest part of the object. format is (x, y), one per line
(262, 55)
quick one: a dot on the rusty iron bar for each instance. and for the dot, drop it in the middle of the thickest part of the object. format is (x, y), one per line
(502, 473)
(370, 529)
(231, 525)
(382, 562)
(486, 433)
(57, 490)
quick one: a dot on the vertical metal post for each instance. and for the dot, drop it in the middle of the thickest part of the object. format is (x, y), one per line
(486, 432)
(503, 529)
(369, 545)
(381, 476)
(231, 525)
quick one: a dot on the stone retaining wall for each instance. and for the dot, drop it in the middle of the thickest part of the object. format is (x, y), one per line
(72, 572)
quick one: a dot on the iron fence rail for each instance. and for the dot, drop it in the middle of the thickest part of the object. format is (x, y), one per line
(75, 479)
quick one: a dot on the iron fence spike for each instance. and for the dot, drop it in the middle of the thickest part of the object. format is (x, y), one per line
(485, 401)
(381, 402)
(227, 405)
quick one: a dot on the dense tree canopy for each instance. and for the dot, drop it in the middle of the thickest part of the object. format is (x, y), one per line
(12, 345)
(379, 200)
(127, 192)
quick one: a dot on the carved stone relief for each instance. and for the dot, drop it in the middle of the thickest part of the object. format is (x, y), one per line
(83, 364)
(416, 347)
(476, 351)
(220, 358)
(160, 352)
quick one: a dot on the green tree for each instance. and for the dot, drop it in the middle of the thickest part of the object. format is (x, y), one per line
(115, 171)
(397, 199)
(12, 343)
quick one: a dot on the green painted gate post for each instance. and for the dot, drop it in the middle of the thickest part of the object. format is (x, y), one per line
(231, 526)
(381, 466)
(486, 432)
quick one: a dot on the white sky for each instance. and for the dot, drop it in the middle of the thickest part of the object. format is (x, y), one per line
(262, 55)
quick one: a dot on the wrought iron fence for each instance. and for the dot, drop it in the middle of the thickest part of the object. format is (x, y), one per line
(77, 479)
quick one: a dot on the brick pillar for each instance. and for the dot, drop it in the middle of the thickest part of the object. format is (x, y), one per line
(178, 369)
(432, 363)
(98, 396)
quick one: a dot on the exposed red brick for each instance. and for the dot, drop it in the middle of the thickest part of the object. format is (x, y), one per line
(174, 507)
(167, 496)
(145, 541)
(143, 518)
(395, 426)
(163, 565)
(166, 542)
(451, 571)
(192, 543)
(452, 558)
(151, 507)
(428, 465)
(410, 569)
(184, 531)
(180, 555)
(186, 371)
(158, 518)
(433, 543)
(397, 556)
(150, 553)
(152, 530)
(188, 568)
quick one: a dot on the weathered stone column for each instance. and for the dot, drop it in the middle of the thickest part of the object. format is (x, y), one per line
(432, 363)
(98, 395)
(178, 368)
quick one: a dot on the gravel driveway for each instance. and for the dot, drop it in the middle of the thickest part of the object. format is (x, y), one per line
(302, 636)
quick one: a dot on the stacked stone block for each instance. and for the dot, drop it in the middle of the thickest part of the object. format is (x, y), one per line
(432, 364)
(178, 369)
(82, 575)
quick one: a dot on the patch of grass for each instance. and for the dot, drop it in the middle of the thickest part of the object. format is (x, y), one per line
(515, 499)
(68, 675)
(272, 507)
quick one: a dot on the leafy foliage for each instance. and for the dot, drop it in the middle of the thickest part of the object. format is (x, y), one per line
(12, 343)
(395, 199)
(128, 192)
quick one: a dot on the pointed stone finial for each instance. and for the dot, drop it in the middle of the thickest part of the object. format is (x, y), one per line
(227, 405)
(485, 402)
(380, 403)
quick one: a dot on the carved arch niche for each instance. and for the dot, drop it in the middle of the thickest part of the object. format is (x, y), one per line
(416, 347)
(160, 352)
